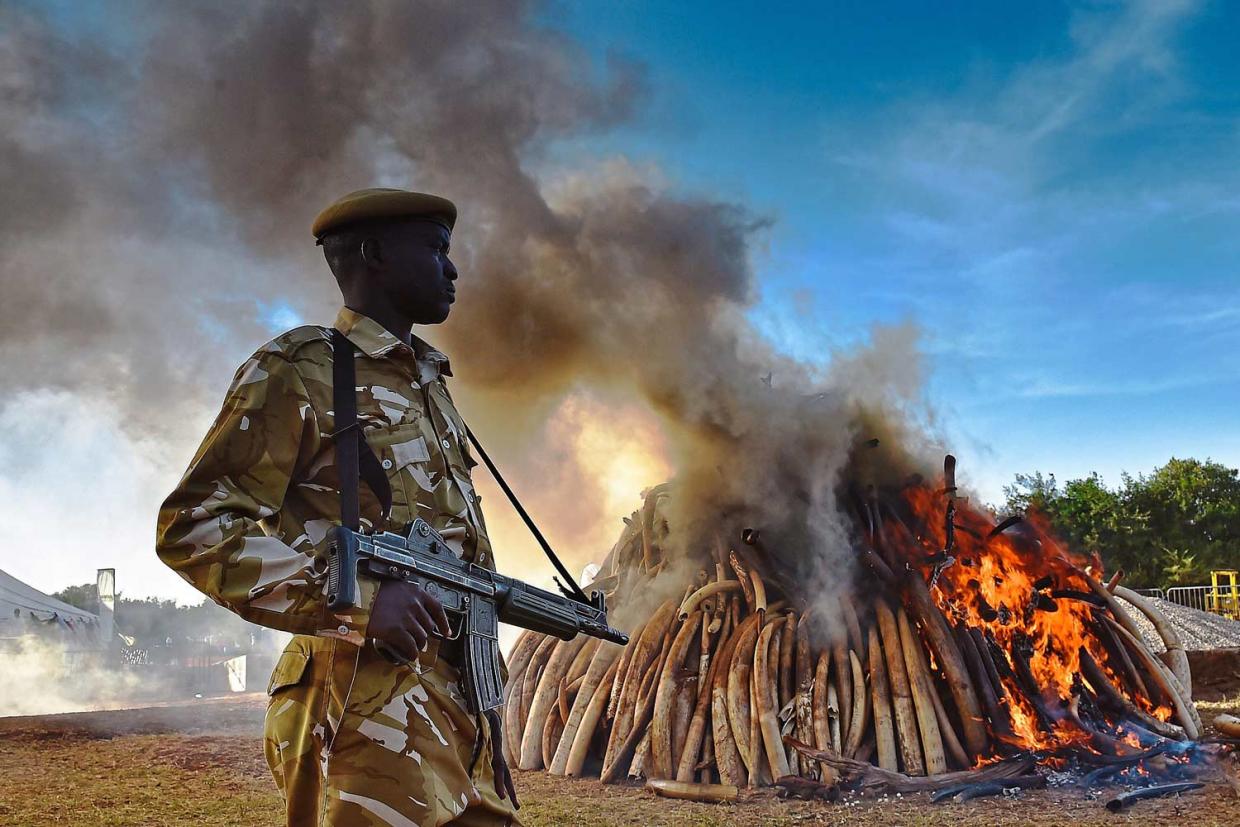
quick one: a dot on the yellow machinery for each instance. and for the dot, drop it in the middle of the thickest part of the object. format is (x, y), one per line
(1224, 595)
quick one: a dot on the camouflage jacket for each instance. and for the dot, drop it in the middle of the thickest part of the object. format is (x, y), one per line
(246, 524)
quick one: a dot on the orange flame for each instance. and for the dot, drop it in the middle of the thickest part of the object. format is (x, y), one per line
(1026, 592)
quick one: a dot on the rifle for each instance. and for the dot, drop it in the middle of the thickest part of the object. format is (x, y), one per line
(479, 597)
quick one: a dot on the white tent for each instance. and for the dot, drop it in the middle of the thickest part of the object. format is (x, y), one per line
(25, 610)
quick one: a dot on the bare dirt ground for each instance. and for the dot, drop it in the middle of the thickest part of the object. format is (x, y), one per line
(202, 763)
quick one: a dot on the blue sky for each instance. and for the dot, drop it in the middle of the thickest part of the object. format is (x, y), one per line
(1050, 191)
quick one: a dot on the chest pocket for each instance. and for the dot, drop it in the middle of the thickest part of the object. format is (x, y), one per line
(398, 445)
(407, 459)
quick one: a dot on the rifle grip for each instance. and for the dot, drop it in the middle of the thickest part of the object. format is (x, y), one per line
(341, 568)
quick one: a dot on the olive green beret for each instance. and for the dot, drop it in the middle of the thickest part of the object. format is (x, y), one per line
(379, 203)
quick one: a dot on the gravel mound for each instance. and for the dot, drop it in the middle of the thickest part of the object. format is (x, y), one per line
(1198, 630)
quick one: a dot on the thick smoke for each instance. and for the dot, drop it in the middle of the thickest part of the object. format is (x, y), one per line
(37, 679)
(162, 172)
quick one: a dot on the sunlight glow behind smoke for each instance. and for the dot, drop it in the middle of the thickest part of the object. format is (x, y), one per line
(621, 448)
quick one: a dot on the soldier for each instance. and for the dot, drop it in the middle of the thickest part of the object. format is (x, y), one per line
(350, 737)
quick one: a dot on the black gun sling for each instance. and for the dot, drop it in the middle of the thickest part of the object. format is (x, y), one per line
(355, 459)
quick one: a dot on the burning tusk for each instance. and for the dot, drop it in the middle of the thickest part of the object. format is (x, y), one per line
(637, 742)
(544, 698)
(951, 742)
(950, 661)
(529, 684)
(803, 714)
(818, 710)
(981, 668)
(661, 724)
(627, 729)
(709, 590)
(622, 670)
(600, 665)
(738, 690)
(1116, 649)
(765, 694)
(1102, 686)
(1121, 616)
(884, 735)
(642, 651)
(696, 729)
(1166, 681)
(1175, 649)
(843, 688)
(922, 688)
(727, 756)
(855, 639)
(742, 576)
(519, 661)
(787, 652)
(583, 733)
(861, 707)
(759, 591)
(901, 696)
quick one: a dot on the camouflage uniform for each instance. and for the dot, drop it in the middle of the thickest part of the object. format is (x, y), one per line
(350, 738)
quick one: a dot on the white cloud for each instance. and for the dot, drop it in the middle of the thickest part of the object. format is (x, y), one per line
(981, 175)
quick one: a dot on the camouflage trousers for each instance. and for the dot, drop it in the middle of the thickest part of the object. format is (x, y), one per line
(353, 740)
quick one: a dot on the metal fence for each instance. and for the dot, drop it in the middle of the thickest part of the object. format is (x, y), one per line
(1206, 599)
(1193, 597)
(1159, 593)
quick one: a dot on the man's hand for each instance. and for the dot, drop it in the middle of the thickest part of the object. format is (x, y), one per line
(404, 616)
(499, 767)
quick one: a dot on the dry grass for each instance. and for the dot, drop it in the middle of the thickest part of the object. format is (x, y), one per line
(1229, 704)
(74, 771)
(80, 779)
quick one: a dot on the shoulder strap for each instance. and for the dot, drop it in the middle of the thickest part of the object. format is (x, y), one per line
(572, 589)
(355, 459)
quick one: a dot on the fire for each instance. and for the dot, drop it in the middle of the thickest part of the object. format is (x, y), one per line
(1026, 593)
(974, 645)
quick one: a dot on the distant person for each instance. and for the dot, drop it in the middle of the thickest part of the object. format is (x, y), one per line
(350, 737)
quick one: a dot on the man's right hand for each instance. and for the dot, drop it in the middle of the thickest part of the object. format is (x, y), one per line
(404, 616)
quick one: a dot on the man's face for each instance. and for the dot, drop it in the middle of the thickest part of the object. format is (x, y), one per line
(415, 273)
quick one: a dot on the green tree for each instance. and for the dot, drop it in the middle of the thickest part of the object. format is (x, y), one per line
(1031, 492)
(1169, 528)
(1193, 513)
(84, 597)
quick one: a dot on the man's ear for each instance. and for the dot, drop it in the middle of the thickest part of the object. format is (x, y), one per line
(372, 253)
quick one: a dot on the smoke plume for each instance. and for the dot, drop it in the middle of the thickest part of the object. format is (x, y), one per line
(163, 166)
(39, 678)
